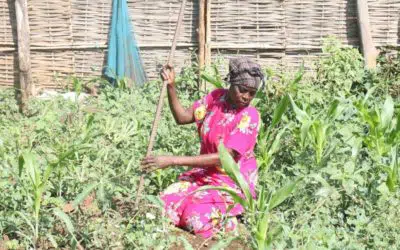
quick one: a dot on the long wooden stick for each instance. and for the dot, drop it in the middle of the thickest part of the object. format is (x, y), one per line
(160, 103)
(369, 50)
(23, 33)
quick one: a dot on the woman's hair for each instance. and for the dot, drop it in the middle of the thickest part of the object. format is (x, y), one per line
(244, 71)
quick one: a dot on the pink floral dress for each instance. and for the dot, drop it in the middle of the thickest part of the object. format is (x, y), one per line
(205, 212)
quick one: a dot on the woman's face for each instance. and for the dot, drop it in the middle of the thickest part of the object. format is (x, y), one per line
(241, 95)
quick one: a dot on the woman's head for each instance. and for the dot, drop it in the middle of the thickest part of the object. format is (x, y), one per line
(245, 78)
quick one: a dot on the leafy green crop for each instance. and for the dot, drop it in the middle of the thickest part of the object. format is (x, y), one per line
(69, 169)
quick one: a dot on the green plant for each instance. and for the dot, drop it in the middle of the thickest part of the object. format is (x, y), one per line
(317, 129)
(342, 68)
(393, 177)
(270, 136)
(383, 128)
(258, 210)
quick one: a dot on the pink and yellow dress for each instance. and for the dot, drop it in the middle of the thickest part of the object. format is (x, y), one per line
(205, 212)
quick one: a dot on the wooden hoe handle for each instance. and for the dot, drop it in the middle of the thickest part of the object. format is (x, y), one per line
(160, 103)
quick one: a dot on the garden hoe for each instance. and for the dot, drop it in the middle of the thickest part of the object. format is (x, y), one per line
(160, 104)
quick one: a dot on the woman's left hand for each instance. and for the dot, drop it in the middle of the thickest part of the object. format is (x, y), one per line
(152, 163)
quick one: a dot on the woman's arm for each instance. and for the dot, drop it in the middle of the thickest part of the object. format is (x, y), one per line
(181, 115)
(201, 161)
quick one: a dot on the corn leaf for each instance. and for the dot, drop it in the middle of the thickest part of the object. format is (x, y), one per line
(233, 171)
(301, 115)
(282, 194)
(387, 112)
(232, 192)
(212, 80)
(280, 110)
(333, 110)
(28, 161)
(305, 128)
(262, 229)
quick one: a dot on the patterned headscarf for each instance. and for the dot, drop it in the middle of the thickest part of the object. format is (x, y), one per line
(243, 71)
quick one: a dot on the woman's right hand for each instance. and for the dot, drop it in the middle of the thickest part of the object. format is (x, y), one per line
(168, 74)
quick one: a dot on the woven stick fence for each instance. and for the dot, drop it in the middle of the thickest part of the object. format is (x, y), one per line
(70, 37)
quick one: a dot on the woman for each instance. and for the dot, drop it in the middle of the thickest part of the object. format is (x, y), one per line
(223, 116)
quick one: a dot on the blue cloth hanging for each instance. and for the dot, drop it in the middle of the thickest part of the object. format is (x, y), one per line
(123, 59)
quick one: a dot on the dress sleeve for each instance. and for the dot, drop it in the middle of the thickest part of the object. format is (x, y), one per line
(243, 137)
(202, 106)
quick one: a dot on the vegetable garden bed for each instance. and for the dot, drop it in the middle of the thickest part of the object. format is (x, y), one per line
(69, 170)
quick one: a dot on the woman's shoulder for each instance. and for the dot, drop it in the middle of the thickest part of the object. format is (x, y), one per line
(216, 96)
(251, 111)
(216, 93)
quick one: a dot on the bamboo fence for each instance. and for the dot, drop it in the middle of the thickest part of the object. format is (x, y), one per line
(69, 37)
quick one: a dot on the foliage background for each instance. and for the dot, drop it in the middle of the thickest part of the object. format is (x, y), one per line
(348, 197)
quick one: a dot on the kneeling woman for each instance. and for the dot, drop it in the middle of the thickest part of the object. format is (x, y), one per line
(221, 116)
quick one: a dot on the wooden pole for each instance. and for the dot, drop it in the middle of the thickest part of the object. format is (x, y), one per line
(207, 54)
(369, 50)
(160, 103)
(201, 39)
(202, 31)
(23, 33)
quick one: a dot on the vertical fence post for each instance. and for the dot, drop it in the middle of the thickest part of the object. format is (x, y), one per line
(24, 62)
(369, 50)
(201, 40)
(207, 55)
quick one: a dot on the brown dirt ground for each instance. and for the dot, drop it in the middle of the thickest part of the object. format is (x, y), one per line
(200, 243)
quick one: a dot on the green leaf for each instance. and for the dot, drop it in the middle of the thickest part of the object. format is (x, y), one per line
(282, 194)
(333, 108)
(52, 240)
(29, 162)
(299, 75)
(68, 223)
(222, 244)
(90, 120)
(186, 244)
(232, 192)
(27, 221)
(233, 171)
(393, 172)
(86, 191)
(212, 80)
(387, 112)
(21, 163)
(305, 128)
(280, 110)
(369, 93)
(155, 200)
(262, 230)
(64, 218)
(276, 143)
(301, 115)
